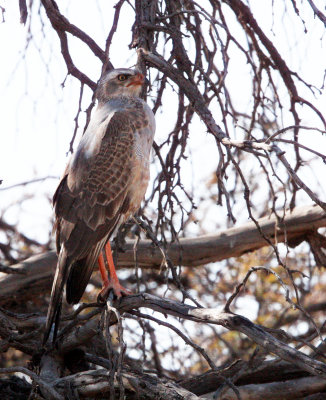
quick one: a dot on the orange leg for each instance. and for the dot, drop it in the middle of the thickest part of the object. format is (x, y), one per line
(112, 283)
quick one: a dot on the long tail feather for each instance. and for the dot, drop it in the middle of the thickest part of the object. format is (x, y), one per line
(80, 272)
(54, 309)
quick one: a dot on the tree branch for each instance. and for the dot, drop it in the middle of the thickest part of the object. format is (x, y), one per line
(97, 382)
(228, 320)
(294, 389)
(36, 273)
(61, 23)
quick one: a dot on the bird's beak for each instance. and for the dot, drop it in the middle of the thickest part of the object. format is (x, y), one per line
(137, 80)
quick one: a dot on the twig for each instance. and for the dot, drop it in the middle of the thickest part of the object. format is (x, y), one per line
(23, 11)
(29, 182)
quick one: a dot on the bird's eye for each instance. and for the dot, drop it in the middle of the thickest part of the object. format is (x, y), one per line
(122, 77)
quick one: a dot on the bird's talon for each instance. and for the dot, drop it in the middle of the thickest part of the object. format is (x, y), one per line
(118, 291)
(101, 298)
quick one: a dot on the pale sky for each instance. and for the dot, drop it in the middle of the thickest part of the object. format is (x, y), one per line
(37, 115)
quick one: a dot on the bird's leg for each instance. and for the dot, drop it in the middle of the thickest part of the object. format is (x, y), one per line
(103, 271)
(112, 283)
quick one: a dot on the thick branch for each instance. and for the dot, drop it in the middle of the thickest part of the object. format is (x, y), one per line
(265, 372)
(88, 386)
(228, 320)
(294, 389)
(229, 243)
(36, 275)
(96, 382)
(37, 272)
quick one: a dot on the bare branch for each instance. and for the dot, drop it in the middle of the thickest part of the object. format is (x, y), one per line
(228, 320)
(317, 12)
(294, 389)
(36, 272)
(36, 180)
(95, 382)
(23, 11)
(61, 26)
(61, 23)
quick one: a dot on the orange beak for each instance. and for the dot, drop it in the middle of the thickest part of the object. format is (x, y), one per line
(137, 80)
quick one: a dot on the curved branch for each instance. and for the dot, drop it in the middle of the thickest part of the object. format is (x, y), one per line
(36, 273)
(294, 389)
(317, 12)
(228, 320)
(61, 23)
(97, 382)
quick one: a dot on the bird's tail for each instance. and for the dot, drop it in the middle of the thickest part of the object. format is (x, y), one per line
(54, 309)
(80, 272)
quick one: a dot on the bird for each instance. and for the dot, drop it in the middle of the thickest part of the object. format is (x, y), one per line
(104, 183)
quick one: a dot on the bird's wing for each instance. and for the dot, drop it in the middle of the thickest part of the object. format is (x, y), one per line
(116, 171)
(94, 190)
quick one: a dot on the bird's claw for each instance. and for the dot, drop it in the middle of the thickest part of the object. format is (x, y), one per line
(117, 289)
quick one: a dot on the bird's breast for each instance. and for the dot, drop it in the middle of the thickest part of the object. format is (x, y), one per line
(138, 184)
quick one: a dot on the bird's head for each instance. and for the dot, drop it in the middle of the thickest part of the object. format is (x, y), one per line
(120, 82)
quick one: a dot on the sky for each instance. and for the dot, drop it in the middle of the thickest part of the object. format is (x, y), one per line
(38, 115)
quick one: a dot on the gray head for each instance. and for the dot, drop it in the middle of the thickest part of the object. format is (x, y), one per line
(120, 82)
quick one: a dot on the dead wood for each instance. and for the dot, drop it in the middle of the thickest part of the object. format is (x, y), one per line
(36, 273)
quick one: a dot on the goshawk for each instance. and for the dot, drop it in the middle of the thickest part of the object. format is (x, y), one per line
(102, 186)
